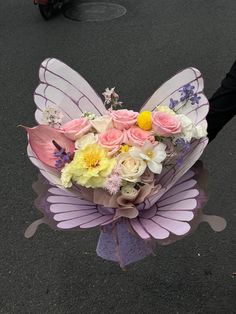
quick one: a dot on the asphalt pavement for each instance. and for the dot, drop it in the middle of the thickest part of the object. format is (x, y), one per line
(59, 272)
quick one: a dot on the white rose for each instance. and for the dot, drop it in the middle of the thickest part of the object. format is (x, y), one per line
(85, 140)
(101, 124)
(130, 168)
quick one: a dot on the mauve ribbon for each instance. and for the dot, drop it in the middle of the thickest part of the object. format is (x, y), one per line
(125, 204)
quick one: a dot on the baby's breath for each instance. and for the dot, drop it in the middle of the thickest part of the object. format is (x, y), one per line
(52, 116)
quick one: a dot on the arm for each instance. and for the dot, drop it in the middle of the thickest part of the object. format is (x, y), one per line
(222, 104)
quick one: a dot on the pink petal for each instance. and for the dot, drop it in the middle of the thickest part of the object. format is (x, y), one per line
(40, 139)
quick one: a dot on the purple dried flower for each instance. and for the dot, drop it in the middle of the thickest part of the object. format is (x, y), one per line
(62, 156)
(183, 144)
(173, 103)
(186, 92)
(59, 163)
(59, 153)
(195, 99)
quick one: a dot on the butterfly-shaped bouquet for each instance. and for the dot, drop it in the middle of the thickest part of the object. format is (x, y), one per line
(124, 171)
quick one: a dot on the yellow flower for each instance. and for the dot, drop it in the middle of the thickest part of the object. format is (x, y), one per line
(124, 148)
(144, 120)
(165, 109)
(66, 176)
(90, 167)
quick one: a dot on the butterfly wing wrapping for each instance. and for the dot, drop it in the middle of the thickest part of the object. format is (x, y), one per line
(176, 214)
(173, 213)
(171, 175)
(63, 208)
(193, 103)
(66, 209)
(51, 174)
(61, 86)
(181, 89)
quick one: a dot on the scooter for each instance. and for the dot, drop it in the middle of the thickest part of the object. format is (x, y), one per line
(47, 8)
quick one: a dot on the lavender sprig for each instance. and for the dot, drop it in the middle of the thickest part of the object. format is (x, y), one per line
(173, 103)
(195, 99)
(184, 146)
(186, 92)
(63, 157)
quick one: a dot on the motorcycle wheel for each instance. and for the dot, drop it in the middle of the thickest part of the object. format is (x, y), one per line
(46, 10)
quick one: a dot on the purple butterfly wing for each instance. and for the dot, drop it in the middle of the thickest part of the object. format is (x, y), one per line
(177, 214)
(63, 87)
(170, 176)
(51, 174)
(194, 107)
(196, 110)
(66, 209)
(172, 215)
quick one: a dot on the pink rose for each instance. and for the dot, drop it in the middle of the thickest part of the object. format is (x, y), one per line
(74, 129)
(165, 124)
(111, 139)
(123, 119)
(137, 136)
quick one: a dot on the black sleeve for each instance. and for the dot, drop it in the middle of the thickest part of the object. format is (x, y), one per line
(222, 104)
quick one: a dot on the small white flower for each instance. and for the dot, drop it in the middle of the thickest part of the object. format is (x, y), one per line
(85, 140)
(200, 131)
(108, 94)
(52, 116)
(165, 109)
(187, 127)
(189, 130)
(88, 115)
(152, 155)
(111, 98)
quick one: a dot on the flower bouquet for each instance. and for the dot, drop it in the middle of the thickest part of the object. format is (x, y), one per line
(126, 172)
